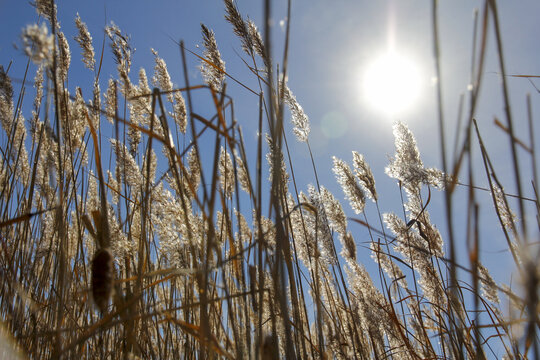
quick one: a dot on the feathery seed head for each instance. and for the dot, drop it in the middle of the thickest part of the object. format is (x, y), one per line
(161, 78)
(242, 173)
(213, 69)
(45, 8)
(334, 211)
(110, 101)
(258, 43)
(302, 230)
(64, 56)
(268, 231)
(6, 100)
(96, 105)
(322, 227)
(244, 232)
(364, 175)
(226, 173)
(379, 255)
(194, 168)
(239, 26)
(180, 113)
(139, 109)
(352, 190)
(489, 287)
(115, 188)
(129, 169)
(121, 52)
(407, 167)
(299, 118)
(508, 217)
(272, 149)
(84, 39)
(38, 44)
(38, 85)
(349, 247)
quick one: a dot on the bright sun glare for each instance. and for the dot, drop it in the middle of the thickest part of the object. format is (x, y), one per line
(391, 83)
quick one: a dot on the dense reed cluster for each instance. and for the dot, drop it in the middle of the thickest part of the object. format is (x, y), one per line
(136, 225)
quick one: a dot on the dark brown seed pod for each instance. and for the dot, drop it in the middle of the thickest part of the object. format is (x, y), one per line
(102, 278)
(269, 349)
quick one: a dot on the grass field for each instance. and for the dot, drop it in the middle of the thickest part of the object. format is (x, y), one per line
(141, 224)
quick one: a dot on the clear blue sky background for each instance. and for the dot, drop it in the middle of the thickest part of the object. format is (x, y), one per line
(330, 42)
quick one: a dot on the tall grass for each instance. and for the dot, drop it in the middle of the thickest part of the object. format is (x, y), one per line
(138, 224)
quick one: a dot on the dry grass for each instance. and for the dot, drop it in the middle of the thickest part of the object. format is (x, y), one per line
(167, 239)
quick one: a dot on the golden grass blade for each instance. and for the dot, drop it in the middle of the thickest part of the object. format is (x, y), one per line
(22, 218)
(197, 333)
(501, 126)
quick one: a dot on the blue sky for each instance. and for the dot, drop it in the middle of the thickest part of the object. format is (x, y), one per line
(330, 43)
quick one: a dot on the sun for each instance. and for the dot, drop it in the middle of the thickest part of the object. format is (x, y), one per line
(391, 83)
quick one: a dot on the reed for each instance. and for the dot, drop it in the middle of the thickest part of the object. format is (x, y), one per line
(139, 224)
